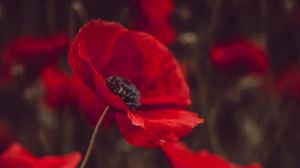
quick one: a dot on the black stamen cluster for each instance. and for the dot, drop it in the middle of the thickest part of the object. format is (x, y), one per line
(125, 90)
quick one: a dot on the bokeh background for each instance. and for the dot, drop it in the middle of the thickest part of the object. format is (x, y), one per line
(247, 119)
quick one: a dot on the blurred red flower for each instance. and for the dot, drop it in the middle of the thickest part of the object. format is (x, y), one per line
(17, 157)
(34, 52)
(57, 87)
(239, 56)
(105, 56)
(31, 49)
(153, 16)
(181, 157)
(287, 84)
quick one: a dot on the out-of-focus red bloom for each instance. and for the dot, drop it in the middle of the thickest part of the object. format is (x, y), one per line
(153, 16)
(17, 157)
(31, 49)
(239, 56)
(105, 49)
(57, 87)
(288, 83)
(33, 53)
(181, 157)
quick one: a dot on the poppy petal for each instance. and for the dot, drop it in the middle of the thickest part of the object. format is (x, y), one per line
(18, 157)
(162, 79)
(70, 160)
(16, 150)
(180, 157)
(160, 126)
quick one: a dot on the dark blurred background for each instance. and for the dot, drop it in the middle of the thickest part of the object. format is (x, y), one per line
(246, 120)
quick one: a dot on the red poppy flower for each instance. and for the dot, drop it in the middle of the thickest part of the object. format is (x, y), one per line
(288, 83)
(17, 157)
(57, 87)
(153, 16)
(239, 56)
(181, 157)
(109, 59)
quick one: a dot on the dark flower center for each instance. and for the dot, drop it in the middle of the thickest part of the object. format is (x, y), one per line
(125, 90)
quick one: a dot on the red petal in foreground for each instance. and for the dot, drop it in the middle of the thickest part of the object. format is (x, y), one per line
(181, 157)
(239, 56)
(161, 126)
(67, 161)
(17, 157)
(105, 49)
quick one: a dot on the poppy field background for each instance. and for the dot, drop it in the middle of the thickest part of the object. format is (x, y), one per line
(240, 59)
